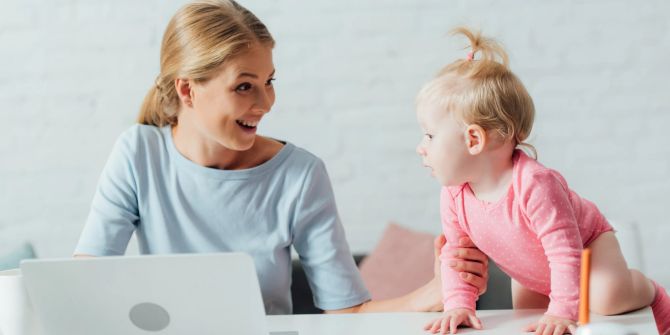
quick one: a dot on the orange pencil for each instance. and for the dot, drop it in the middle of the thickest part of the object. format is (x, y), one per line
(584, 287)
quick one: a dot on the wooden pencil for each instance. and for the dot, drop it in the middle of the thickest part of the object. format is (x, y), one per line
(584, 287)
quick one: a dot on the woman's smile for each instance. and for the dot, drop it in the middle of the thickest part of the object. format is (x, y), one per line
(247, 126)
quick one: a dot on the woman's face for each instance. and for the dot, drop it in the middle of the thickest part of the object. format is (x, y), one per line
(228, 107)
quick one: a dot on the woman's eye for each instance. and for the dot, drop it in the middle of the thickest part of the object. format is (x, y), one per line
(269, 82)
(243, 87)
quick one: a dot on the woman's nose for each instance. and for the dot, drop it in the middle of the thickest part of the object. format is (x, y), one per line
(264, 101)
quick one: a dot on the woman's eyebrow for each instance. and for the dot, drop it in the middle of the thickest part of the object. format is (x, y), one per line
(252, 75)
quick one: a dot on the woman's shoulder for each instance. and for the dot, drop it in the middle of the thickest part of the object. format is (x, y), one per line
(299, 162)
(296, 156)
(300, 154)
(139, 143)
(140, 138)
(143, 133)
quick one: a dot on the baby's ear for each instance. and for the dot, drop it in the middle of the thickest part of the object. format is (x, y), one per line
(475, 139)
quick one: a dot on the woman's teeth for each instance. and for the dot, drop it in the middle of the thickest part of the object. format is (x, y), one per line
(248, 124)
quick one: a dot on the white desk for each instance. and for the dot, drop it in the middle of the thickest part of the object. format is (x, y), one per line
(495, 322)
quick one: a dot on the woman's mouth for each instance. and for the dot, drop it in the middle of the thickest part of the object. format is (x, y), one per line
(247, 126)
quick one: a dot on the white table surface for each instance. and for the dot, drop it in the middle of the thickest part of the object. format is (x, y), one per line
(495, 322)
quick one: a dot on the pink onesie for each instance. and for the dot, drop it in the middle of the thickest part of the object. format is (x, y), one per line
(535, 233)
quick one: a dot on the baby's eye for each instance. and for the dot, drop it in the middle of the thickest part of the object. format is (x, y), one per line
(430, 137)
(243, 87)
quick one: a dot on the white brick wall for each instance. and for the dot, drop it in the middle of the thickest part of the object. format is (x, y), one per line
(73, 73)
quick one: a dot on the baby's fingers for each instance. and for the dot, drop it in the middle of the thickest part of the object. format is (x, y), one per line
(559, 330)
(572, 329)
(445, 324)
(435, 325)
(530, 327)
(475, 322)
(456, 321)
(429, 325)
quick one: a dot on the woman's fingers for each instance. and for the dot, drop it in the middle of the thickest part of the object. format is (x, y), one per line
(466, 242)
(471, 254)
(476, 268)
(478, 282)
(438, 243)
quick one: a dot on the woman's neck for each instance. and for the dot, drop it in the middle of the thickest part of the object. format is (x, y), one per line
(495, 174)
(208, 153)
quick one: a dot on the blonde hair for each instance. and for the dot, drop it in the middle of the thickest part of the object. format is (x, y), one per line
(484, 91)
(200, 37)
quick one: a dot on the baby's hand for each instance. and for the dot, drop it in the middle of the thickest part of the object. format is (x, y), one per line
(451, 319)
(549, 325)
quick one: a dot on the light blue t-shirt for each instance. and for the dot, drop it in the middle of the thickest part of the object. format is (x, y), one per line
(177, 206)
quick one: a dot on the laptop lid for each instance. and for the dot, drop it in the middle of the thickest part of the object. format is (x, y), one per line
(155, 294)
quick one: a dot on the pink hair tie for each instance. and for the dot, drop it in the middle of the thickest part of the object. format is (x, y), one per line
(471, 55)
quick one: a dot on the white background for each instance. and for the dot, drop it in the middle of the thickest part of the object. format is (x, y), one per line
(73, 74)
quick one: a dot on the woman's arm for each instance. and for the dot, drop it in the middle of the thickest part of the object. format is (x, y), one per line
(428, 298)
(114, 209)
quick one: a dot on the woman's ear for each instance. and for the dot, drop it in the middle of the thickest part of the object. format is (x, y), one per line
(475, 139)
(184, 91)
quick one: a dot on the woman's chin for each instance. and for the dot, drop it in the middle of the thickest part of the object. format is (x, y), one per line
(244, 145)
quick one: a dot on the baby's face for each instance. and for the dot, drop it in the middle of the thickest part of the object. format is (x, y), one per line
(443, 148)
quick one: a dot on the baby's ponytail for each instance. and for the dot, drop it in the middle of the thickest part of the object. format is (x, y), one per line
(490, 50)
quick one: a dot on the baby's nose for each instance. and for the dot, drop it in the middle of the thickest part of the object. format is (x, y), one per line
(420, 150)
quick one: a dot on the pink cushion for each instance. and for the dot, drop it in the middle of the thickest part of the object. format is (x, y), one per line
(401, 262)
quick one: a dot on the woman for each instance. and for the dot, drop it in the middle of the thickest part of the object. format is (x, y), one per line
(195, 177)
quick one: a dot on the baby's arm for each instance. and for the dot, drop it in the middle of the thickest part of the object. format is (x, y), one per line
(456, 292)
(552, 217)
(458, 296)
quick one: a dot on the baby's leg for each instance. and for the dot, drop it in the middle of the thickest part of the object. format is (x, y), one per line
(615, 289)
(523, 298)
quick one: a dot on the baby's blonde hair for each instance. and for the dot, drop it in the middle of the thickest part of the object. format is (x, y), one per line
(484, 91)
(200, 37)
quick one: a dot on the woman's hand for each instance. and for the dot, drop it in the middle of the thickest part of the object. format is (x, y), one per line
(550, 325)
(472, 266)
(450, 321)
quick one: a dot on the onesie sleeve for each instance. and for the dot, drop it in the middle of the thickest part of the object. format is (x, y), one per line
(456, 293)
(552, 217)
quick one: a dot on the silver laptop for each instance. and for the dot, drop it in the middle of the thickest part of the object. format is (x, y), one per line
(158, 294)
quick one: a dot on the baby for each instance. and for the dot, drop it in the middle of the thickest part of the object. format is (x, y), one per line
(476, 115)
